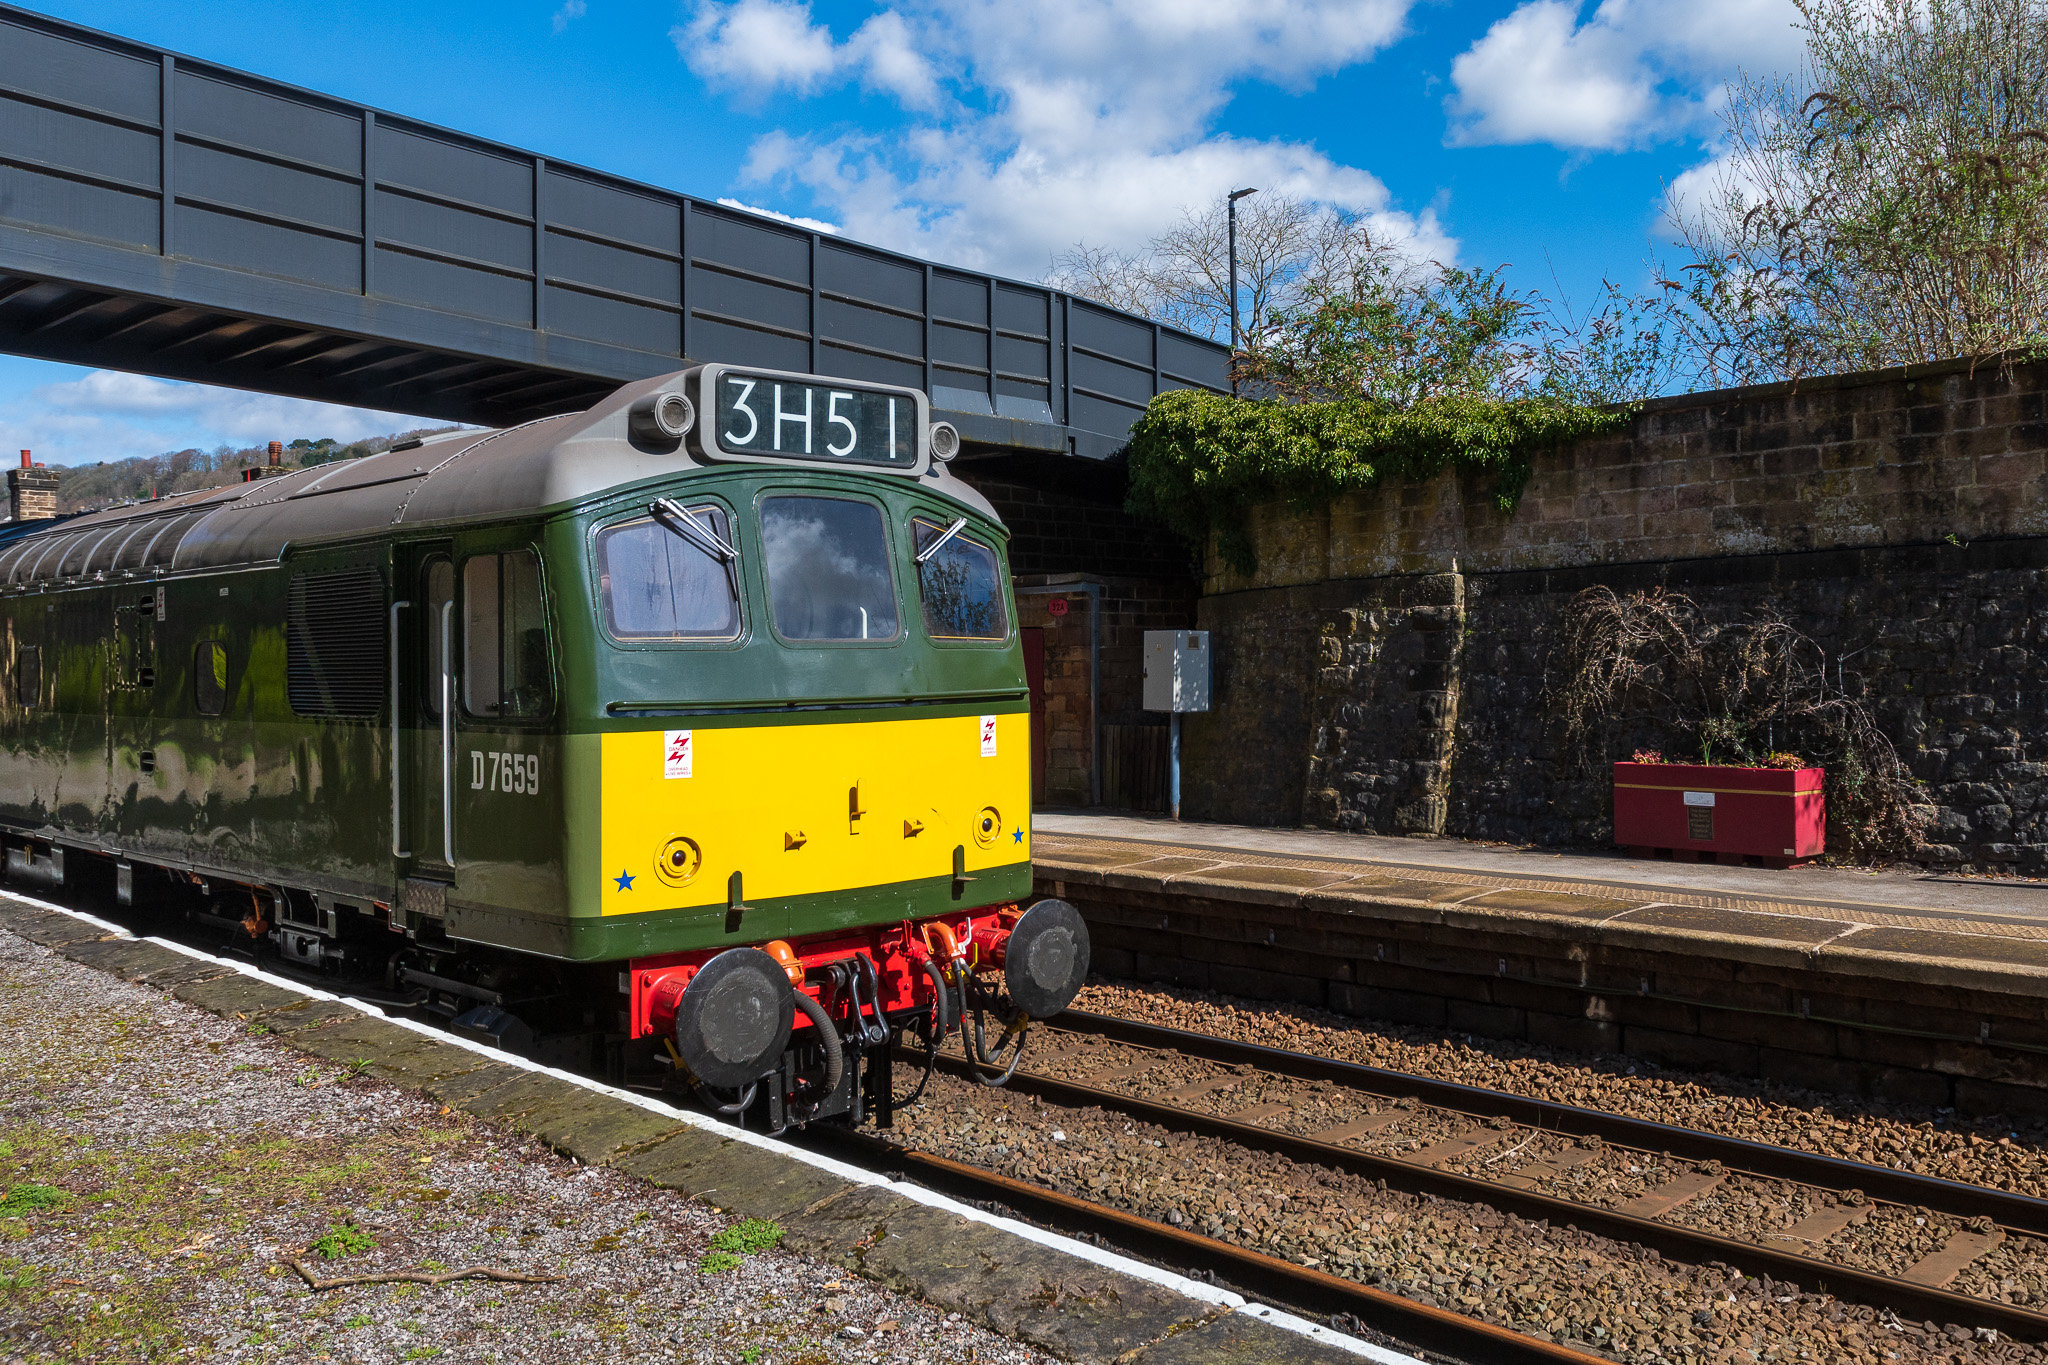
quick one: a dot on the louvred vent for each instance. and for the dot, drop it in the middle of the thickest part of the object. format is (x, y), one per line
(335, 660)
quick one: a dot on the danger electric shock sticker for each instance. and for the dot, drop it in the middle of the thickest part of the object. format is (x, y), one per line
(678, 753)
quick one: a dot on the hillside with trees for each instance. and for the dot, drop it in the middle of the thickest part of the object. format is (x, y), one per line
(84, 487)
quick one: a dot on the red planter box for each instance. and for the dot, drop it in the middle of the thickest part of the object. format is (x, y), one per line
(1777, 814)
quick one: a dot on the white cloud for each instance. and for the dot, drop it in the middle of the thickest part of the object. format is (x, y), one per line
(1036, 130)
(1636, 71)
(886, 53)
(814, 224)
(757, 46)
(111, 415)
(569, 13)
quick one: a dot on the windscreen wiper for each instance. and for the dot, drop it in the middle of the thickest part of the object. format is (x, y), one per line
(955, 529)
(684, 523)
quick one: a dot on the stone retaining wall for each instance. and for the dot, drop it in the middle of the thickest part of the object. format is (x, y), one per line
(1895, 457)
(1385, 669)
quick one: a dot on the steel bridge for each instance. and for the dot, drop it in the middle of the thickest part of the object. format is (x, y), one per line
(178, 218)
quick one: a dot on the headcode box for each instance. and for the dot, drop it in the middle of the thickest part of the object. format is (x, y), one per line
(1176, 670)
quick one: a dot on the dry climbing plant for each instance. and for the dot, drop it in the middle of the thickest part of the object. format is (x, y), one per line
(1650, 662)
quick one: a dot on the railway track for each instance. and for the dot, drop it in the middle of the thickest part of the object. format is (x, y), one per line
(1411, 1324)
(1197, 1083)
(1543, 1160)
(1421, 1325)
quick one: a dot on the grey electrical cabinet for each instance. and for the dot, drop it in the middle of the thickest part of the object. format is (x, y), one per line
(1176, 670)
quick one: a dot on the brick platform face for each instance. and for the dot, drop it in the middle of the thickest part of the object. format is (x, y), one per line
(1832, 1030)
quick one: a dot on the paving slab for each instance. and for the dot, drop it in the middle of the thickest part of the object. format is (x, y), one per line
(235, 995)
(461, 1087)
(339, 1033)
(1258, 885)
(53, 930)
(1150, 873)
(128, 958)
(182, 970)
(1061, 837)
(1072, 1308)
(308, 1014)
(1396, 898)
(841, 1223)
(736, 1176)
(585, 1124)
(1238, 1339)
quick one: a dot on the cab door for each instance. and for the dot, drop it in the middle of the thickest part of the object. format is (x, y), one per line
(426, 685)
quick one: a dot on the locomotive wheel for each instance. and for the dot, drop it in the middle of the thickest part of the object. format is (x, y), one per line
(1046, 961)
(733, 1020)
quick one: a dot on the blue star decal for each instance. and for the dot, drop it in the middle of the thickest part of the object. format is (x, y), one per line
(625, 880)
(1016, 836)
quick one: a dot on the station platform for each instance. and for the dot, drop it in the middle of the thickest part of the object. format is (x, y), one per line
(1923, 988)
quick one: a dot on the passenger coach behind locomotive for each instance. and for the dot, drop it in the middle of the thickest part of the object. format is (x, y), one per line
(694, 745)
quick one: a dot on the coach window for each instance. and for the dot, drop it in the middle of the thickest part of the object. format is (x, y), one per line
(210, 677)
(961, 583)
(828, 569)
(438, 590)
(670, 578)
(504, 637)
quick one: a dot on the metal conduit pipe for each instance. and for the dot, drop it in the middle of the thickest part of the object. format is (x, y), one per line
(1094, 595)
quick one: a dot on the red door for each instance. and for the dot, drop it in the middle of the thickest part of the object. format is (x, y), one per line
(1034, 674)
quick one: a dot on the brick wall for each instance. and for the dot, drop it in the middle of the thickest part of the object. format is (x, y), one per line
(1065, 530)
(1906, 1025)
(1132, 777)
(1066, 537)
(1384, 670)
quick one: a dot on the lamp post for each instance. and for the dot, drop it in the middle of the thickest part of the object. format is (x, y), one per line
(1235, 195)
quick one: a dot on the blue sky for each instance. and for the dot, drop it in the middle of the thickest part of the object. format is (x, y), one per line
(992, 133)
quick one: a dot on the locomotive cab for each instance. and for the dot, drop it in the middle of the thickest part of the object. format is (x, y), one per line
(815, 747)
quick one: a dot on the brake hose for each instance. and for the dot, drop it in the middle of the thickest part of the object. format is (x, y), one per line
(835, 1058)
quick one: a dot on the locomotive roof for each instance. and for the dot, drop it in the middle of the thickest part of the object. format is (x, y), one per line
(459, 477)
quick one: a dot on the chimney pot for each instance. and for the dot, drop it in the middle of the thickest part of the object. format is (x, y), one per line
(276, 453)
(24, 461)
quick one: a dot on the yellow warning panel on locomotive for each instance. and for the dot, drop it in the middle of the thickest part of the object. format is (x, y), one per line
(801, 809)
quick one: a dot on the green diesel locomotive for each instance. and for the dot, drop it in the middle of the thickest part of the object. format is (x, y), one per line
(690, 732)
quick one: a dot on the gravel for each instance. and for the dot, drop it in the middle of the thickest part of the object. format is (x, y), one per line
(1995, 1151)
(1612, 1297)
(191, 1159)
(1553, 1282)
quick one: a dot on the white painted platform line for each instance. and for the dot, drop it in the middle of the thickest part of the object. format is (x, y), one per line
(1167, 1279)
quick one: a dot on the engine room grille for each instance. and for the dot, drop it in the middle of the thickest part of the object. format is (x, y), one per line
(335, 660)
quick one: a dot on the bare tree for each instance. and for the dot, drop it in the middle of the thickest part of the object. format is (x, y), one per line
(1887, 203)
(1288, 251)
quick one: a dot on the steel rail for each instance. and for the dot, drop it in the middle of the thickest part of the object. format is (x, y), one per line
(2018, 1212)
(1688, 1244)
(1298, 1286)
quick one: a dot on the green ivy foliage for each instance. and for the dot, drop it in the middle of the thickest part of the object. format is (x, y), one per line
(1200, 461)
